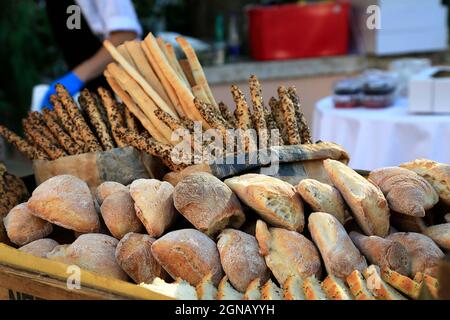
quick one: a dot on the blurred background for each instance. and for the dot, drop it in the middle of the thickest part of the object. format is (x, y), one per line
(310, 44)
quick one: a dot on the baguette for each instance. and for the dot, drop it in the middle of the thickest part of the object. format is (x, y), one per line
(358, 286)
(172, 57)
(293, 289)
(206, 289)
(380, 289)
(335, 289)
(253, 291)
(313, 290)
(227, 292)
(400, 282)
(440, 234)
(123, 50)
(270, 291)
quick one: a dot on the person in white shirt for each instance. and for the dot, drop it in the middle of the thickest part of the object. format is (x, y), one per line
(81, 47)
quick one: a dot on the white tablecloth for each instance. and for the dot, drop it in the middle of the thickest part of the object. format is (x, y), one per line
(376, 138)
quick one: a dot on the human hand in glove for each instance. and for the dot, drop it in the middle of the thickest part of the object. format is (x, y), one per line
(70, 81)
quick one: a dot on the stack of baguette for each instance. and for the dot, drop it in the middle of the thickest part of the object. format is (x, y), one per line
(244, 238)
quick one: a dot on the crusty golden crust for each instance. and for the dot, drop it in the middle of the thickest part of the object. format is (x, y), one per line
(358, 286)
(400, 282)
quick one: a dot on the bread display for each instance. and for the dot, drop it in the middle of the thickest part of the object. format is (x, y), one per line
(423, 253)
(440, 234)
(107, 188)
(241, 259)
(23, 227)
(119, 215)
(339, 254)
(208, 203)
(437, 174)
(94, 252)
(382, 252)
(379, 288)
(65, 201)
(188, 254)
(153, 202)
(406, 192)
(366, 201)
(287, 253)
(400, 282)
(40, 248)
(322, 198)
(274, 200)
(134, 255)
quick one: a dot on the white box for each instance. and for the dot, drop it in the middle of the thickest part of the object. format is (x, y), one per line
(429, 91)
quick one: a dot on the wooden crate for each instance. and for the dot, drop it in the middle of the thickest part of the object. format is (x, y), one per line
(26, 277)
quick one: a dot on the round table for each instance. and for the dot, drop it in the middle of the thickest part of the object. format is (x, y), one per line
(377, 138)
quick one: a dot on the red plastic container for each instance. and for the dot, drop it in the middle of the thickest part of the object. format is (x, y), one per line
(298, 30)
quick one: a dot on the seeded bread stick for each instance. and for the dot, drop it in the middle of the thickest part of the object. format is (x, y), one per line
(131, 121)
(287, 109)
(258, 115)
(101, 109)
(209, 115)
(184, 64)
(187, 123)
(200, 93)
(170, 121)
(72, 109)
(173, 59)
(139, 58)
(303, 128)
(242, 114)
(279, 119)
(29, 138)
(63, 138)
(227, 115)
(88, 101)
(196, 67)
(53, 151)
(125, 97)
(30, 151)
(115, 118)
(36, 120)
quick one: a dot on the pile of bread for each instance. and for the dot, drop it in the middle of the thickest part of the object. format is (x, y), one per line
(245, 237)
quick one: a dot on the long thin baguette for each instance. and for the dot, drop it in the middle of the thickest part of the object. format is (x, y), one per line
(140, 59)
(287, 108)
(187, 71)
(88, 137)
(96, 120)
(30, 151)
(53, 151)
(142, 100)
(64, 139)
(196, 68)
(303, 128)
(140, 79)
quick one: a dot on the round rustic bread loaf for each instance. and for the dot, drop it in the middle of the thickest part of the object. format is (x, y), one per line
(23, 227)
(134, 255)
(208, 203)
(440, 234)
(108, 188)
(241, 259)
(118, 213)
(94, 252)
(67, 202)
(188, 254)
(40, 248)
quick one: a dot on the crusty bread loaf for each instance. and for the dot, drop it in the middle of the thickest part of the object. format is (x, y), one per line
(180, 289)
(188, 254)
(440, 234)
(313, 290)
(153, 202)
(208, 203)
(437, 174)
(358, 286)
(382, 252)
(106, 189)
(424, 254)
(293, 289)
(119, 216)
(335, 289)
(405, 223)
(400, 282)
(430, 282)
(276, 201)
(206, 289)
(322, 198)
(67, 202)
(241, 259)
(339, 254)
(406, 192)
(94, 252)
(227, 292)
(40, 248)
(447, 218)
(366, 201)
(270, 291)
(23, 227)
(134, 255)
(253, 291)
(380, 289)
(287, 253)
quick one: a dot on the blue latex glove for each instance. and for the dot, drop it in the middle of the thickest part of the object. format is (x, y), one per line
(72, 83)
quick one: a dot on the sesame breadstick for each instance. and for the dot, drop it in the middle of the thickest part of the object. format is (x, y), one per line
(30, 151)
(115, 118)
(227, 115)
(258, 115)
(279, 119)
(72, 109)
(88, 101)
(131, 121)
(67, 123)
(170, 121)
(63, 138)
(242, 112)
(187, 123)
(303, 128)
(209, 115)
(37, 121)
(53, 151)
(288, 111)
